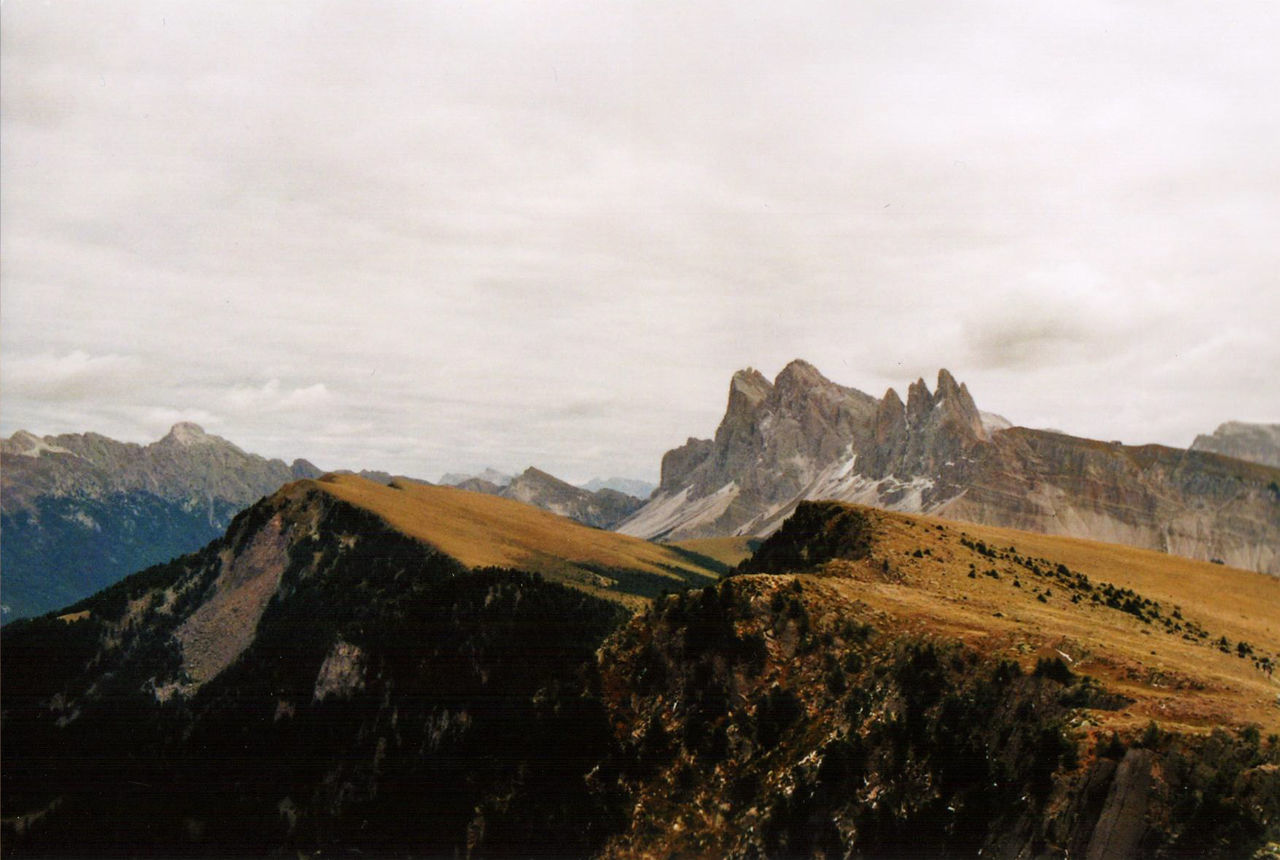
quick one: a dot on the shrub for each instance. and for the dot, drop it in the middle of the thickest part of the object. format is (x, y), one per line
(1055, 669)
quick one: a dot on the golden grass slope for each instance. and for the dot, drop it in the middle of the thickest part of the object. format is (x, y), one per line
(480, 530)
(726, 550)
(918, 576)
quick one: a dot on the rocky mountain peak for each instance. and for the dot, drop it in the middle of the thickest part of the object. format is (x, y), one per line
(678, 464)
(26, 444)
(800, 374)
(890, 413)
(802, 392)
(919, 402)
(533, 473)
(803, 437)
(600, 509)
(25, 440)
(1256, 443)
(892, 401)
(187, 433)
(747, 390)
(947, 385)
(960, 409)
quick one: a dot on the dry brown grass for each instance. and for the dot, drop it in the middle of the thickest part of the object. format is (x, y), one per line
(489, 531)
(1172, 680)
(726, 550)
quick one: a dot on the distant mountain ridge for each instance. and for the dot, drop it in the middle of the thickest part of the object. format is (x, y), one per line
(803, 436)
(1257, 443)
(81, 510)
(603, 508)
(490, 475)
(186, 464)
(629, 486)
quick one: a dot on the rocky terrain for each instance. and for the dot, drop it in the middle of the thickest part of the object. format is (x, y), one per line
(79, 511)
(805, 437)
(322, 680)
(1257, 443)
(602, 508)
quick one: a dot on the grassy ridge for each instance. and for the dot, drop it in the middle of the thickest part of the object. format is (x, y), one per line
(488, 531)
(1191, 642)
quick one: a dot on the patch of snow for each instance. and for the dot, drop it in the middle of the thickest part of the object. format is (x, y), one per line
(186, 434)
(26, 444)
(994, 423)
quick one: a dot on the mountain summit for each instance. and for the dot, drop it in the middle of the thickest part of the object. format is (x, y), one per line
(1257, 443)
(602, 508)
(803, 436)
(186, 433)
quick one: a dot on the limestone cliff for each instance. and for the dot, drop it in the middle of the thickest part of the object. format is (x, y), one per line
(805, 437)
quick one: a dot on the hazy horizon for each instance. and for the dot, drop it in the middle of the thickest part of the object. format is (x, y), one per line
(438, 237)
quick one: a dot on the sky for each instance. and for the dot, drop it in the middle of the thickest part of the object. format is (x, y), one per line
(436, 236)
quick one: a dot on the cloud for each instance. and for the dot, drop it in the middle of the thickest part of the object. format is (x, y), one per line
(72, 376)
(515, 233)
(270, 397)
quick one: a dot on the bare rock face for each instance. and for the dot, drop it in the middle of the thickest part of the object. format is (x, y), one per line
(805, 437)
(678, 463)
(1122, 823)
(1257, 443)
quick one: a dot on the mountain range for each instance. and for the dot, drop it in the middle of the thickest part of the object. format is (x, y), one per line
(80, 511)
(409, 670)
(803, 436)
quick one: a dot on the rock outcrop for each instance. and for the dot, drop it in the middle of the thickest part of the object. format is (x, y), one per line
(805, 437)
(1257, 443)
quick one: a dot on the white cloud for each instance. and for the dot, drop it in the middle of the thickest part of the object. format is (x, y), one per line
(71, 376)
(270, 397)
(512, 233)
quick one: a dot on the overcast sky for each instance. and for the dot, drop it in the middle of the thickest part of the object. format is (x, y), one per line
(432, 236)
